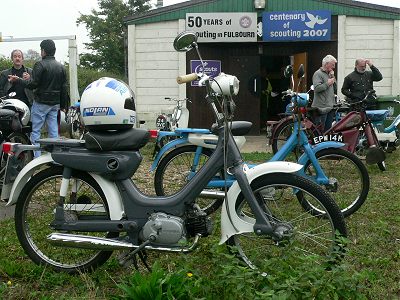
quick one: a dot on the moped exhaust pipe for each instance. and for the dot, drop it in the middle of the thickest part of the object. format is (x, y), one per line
(212, 194)
(97, 243)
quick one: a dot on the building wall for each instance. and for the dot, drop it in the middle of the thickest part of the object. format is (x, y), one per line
(153, 66)
(370, 38)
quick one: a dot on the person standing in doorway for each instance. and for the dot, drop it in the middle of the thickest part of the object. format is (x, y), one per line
(49, 82)
(8, 85)
(325, 88)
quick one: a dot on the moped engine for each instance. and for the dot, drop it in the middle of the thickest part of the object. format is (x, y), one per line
(164, 229)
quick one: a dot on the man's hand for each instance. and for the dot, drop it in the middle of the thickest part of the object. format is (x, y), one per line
(369, 62)
(26, 76)
(331, 81)
(12, 78)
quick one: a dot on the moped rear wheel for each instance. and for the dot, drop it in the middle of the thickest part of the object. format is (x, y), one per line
(173, 173)
(35, 210)
(304, 235)
(349, 176)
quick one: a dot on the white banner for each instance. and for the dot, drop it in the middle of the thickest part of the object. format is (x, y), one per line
(223, 27)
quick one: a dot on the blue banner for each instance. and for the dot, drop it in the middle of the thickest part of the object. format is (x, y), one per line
(293, 26)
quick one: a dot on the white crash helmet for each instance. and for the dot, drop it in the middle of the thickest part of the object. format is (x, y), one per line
(20, 107)
(108, 104)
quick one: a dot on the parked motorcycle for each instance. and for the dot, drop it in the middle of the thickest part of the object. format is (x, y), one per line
(178, 118)
(388, 137)
(14, 127)
(72, 214)
(352, 129)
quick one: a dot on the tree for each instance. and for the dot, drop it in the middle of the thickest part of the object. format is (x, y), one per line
(106, 32)
(32, 55)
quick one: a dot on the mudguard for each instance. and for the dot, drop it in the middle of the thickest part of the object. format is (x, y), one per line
(166, 148)
(392, 127)
(324, 145)
(109, 188)
(231, 223)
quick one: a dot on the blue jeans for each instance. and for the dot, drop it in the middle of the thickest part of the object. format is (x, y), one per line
(41, 113)
(326, 120)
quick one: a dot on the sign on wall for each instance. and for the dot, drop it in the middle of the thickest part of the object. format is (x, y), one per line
(223, 27)
(212, 68)
(307, 25)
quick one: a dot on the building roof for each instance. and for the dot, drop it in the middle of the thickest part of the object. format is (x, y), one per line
(337, 7)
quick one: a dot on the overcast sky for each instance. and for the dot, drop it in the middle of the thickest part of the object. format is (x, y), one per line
(48, 18)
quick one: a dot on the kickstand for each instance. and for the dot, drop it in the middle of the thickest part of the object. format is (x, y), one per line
(143, 257)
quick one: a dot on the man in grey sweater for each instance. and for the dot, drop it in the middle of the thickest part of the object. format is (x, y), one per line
(324, 82)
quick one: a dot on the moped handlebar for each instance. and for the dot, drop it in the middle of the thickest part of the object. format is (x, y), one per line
(186, 78)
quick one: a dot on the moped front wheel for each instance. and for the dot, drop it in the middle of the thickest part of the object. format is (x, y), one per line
(304, 235)
(349, 178)
(35, 211)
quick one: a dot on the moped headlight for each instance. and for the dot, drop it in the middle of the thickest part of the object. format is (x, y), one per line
(225, 84)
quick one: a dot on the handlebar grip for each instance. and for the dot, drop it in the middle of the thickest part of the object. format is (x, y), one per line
(186, 78)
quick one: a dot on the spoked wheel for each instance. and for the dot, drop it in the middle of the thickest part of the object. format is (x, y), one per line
(281, 134)
(349, 177)
(75, 126)
(174, 171)
(35, 211)
(302, 234)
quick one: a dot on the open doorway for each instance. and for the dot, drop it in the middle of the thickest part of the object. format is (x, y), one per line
(273, 83)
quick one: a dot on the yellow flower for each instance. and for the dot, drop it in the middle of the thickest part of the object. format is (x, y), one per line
(189, 274)
(9, 283)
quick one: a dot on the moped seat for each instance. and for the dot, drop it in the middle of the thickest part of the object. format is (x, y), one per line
(238, 128)
(126, 140)
(377, 115)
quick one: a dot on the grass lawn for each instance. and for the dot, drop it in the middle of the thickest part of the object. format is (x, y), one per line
(371, 265)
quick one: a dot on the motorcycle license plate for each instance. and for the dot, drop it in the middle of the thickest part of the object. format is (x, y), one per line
(161, 122)
(334, 137)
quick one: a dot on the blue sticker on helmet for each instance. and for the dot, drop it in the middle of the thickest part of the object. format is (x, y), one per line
(98, 111)
(117, 86)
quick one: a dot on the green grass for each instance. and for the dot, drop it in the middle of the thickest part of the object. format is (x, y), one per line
(370, 270)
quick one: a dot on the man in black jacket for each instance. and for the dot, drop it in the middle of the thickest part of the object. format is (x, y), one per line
(359, 82)
(19, 87)
(49, 82)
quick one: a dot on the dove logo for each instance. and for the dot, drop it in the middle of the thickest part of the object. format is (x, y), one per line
(314, 20)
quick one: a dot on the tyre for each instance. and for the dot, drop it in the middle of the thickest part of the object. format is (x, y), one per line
(281, 134)
(284, 130)
(304, 235)
(35, 210)
(173, 172)
(75, 126)
(24, 158)
(349, 177)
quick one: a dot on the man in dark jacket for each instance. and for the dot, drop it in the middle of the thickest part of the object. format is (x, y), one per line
(19, 87)
(359, 82)
(49, 82)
